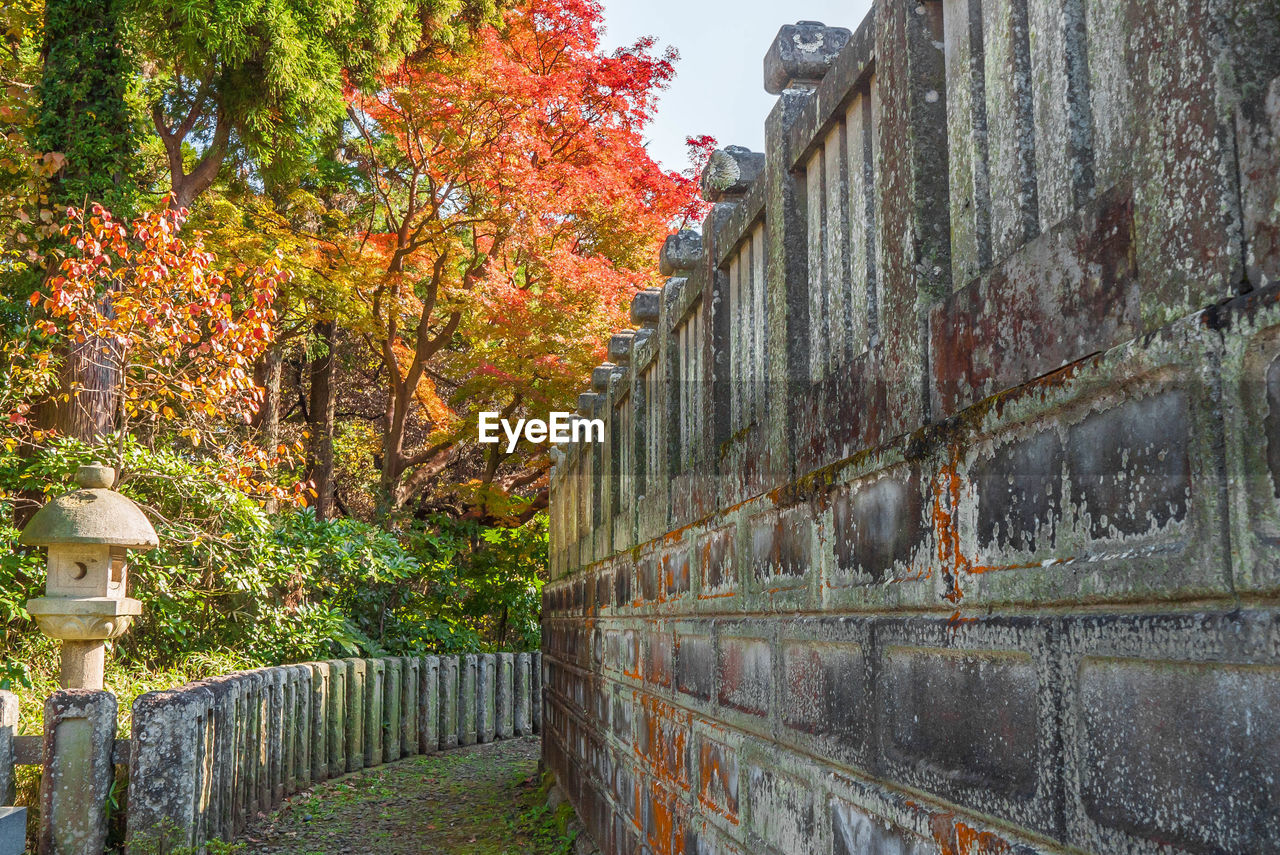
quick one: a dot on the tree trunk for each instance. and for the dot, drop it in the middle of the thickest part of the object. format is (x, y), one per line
(88, 394)
(269, 373)
(322, 410)
(84, 115)
(84, 112)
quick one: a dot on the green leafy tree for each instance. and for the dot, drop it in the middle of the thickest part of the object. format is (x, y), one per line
(268, 78)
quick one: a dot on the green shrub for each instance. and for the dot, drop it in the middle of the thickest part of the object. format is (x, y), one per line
(231, 582)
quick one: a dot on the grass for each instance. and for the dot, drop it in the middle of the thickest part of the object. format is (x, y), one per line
(484, 800)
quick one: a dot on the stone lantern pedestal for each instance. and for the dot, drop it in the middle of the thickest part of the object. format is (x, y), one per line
(88, 532)
(84, 626)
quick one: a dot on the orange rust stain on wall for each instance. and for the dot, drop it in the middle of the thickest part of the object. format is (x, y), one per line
(631, 656)
(665, 745)
(667, 837)
(956, 838)
(714, 775)
(946, 528)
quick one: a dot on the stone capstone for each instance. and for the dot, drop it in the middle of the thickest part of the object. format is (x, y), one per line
(645, 308)
(800, 55)
(601, 375)
(620, 347)
(730, 172)
(680, 251)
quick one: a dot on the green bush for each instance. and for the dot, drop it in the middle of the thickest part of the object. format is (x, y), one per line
(232, 581)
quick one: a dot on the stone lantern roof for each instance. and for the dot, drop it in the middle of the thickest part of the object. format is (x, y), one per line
(93, 514)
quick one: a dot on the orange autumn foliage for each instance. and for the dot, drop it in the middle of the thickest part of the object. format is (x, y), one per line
(518, 214)
(179, 333)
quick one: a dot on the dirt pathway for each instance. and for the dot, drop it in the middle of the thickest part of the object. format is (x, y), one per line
(483, 800)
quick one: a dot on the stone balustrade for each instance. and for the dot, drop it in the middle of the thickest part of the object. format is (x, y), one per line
(205, 758)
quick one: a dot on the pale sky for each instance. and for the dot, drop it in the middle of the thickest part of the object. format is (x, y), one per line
(719, 88)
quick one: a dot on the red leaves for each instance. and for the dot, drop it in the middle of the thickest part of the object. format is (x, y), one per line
(522, 161)
(166, 314)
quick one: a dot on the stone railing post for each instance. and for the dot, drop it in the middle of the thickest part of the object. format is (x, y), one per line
(503, 692)
(8, 728)
(301, 735)
(535, 692)
(288, 726)
(449, 678)
(429, 705)
(409, 667)
(13, 830)
(77, 774)
(523, 710)
(260, 736)
(241, 784)
(337, 718)
(170, 770)
(224, 764)
(391, 712)
(319, 720)
(273, 682)
(295, 722)
(357, 676)
(486, 678)
(13, 820)
(373, 711)
(467, 668)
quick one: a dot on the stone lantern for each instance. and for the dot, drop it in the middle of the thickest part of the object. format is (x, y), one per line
(88, 532)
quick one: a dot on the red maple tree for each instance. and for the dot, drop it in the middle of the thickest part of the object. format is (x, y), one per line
(518, 212)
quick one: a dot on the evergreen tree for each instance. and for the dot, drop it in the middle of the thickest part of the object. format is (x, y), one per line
(84, 111)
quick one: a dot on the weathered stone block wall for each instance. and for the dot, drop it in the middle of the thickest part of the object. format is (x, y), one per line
(940, 498)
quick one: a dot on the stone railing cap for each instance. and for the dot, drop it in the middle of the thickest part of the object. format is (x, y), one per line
(645, 307)
(620, 347)
(681, 251)
(730, 172)
(600, 376)
(801, 53)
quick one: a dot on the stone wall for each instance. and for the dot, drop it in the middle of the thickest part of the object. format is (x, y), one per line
(939, 508)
